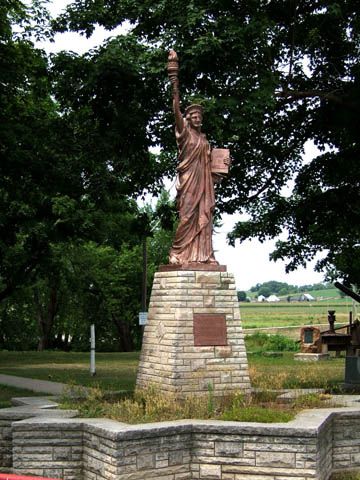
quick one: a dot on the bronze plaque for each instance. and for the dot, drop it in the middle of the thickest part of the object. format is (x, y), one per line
(209, 329)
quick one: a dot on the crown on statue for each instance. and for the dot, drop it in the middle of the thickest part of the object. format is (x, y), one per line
(194, 108)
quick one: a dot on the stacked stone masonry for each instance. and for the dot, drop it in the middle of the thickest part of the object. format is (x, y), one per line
(346, 442)
(313, 446)
(5, 443)
(169, 358)
(56, 447)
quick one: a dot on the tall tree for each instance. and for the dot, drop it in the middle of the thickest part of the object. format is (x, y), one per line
(26, 116)
(107, 104)
(272, 75)
(74, 144)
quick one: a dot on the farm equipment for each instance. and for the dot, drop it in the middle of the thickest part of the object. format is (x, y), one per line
(352, 361)
(334, 339)
(345, 338)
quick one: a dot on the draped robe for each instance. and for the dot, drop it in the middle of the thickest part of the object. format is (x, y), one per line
(195, 200)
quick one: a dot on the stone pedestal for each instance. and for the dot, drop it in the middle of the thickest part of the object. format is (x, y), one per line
(193, 338)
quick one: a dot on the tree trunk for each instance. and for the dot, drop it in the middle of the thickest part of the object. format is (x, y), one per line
(2, 337)
(46, 318)
(66, 342)
(126, 343)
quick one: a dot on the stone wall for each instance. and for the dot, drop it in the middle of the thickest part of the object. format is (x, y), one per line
(5, 443)
(275, 454)
(50, 448)
(315, 444)
(40, 447)
(346, 441)
(161, 452)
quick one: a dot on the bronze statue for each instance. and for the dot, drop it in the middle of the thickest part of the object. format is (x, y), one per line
(195, 180)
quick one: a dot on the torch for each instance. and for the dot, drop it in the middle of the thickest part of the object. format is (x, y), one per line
(173, 64)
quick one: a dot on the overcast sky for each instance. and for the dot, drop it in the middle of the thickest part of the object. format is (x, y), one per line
(249, 261)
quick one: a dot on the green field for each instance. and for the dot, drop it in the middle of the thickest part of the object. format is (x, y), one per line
(319, 295)
(281, 314)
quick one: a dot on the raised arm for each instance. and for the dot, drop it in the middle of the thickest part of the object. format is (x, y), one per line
(173, 70)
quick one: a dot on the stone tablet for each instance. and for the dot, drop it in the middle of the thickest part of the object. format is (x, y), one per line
(209, 329)
(220, 161)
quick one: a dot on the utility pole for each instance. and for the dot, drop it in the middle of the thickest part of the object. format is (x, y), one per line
(92, 350)
(144, 284)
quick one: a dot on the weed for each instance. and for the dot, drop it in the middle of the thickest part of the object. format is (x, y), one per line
(254, 413)
(150, 405)
(346, 476)
(89, 405)
(269, 381)
(211, 406)
(279, 373)
(311, 400)
(249, 409)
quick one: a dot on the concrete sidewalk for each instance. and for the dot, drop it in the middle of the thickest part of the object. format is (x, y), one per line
(41, 386)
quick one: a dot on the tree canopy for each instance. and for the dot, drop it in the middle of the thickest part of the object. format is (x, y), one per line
(271, 75)
(74, 146)
(77, 134)
(283, 288)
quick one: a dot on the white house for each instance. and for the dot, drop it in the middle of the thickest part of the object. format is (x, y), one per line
(273, 298)
(307, 297)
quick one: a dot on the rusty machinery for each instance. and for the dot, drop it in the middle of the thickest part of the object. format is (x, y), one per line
(345, 338)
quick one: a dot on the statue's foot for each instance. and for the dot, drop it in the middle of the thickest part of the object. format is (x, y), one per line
(213, 261)
(173, 260)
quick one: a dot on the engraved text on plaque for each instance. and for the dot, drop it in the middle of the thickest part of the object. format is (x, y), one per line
(209, 329)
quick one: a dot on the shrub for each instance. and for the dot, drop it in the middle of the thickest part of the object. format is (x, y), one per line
(263, 342)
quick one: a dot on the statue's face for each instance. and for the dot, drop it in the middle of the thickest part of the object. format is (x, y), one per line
(196, 119)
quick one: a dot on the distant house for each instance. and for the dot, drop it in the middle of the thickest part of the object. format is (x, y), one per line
(261, 298)
(307, 297)
(304, 297)
(273, 298)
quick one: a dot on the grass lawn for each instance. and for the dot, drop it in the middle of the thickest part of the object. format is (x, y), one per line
(7, 393)
(117, 371)
(285, 372)
(114, 371)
